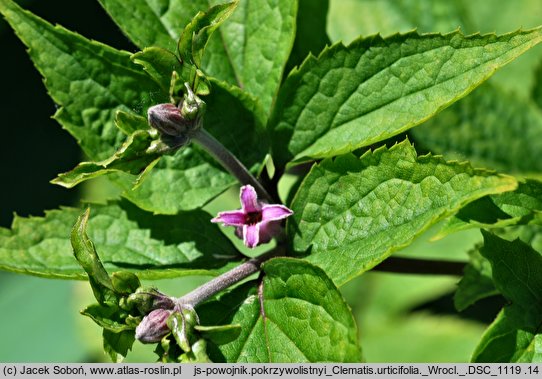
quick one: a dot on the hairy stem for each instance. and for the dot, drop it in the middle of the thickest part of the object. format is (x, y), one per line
(421, 266)
(225, 280)
(229, 162)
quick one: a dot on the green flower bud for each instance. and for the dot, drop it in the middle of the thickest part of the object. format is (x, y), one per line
(154, 326)
(192, 107)
(146, 299)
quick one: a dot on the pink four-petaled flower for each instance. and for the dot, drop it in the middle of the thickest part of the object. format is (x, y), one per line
(255, 222)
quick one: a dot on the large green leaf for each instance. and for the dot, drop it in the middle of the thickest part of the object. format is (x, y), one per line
(249, 50)
(351, 213)
(125, 237)
(295, 315)
(490, 128)
(191, 178)
(357, 95)
(515, 336)
(89, 80)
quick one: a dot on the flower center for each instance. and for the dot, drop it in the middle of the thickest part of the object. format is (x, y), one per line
(253, 218)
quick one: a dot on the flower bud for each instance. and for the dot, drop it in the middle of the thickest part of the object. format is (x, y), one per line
(153, 326)
(167, 119)
(146, 299)
(192, 107)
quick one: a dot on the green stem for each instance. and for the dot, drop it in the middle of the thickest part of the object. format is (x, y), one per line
(229, 162)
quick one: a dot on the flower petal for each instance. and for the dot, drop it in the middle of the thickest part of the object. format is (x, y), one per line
(251, 235)
(275, 212)
(249, 199)
(230, 218)
(268, 230)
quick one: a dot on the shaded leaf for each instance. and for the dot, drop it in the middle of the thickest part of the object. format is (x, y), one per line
(350, 19)
(354, 96)
(351, 213)
(296, 315)
(476, 283)
(517, 273)
(491, 127)
(116, 345)
(521, 206)
(310, 34)
(125, 237)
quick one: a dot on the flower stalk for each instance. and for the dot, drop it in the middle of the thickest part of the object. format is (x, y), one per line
(224, 281)
(229, 162)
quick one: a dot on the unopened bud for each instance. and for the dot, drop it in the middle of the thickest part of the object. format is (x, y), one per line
(153, 326)
(192, 107)
(167, 119)
(148, 299)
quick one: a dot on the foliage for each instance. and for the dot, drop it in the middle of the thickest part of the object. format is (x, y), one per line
(256, 92)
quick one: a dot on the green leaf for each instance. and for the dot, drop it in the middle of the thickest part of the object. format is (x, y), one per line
(125, 282)
(310, 34)
(521, 206)
(350, 214)
(492, 128)
(515, 335)
(219, 334)
(159, 64)
(196, 34)
(259, 37)
(90, 81)
(106, 317)
(295, 315)
(476, 283)
(116, 345)
(129, 123)
(86, 255)
(536, 92)
(160, 24)
(191, 178)
(125, 237)
(357, 95)
(133, 157)
(249, 50)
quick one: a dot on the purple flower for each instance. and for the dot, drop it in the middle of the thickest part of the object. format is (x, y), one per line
(255, 222)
